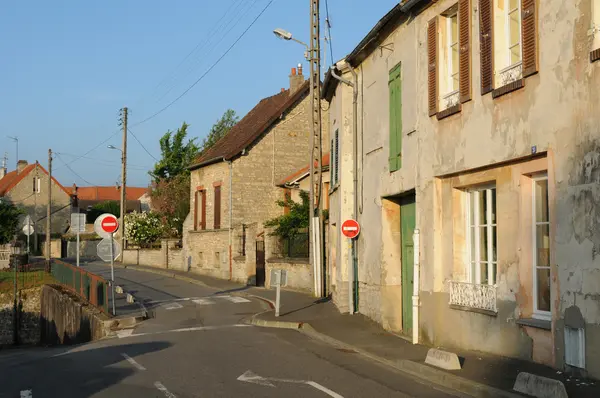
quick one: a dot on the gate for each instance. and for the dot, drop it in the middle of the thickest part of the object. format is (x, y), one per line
(260, 263)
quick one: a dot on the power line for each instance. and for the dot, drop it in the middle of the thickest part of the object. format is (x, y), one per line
(209, 69)
(106, 162)
(142, 145)
(88, 152)
(73, 171)
(328, 22)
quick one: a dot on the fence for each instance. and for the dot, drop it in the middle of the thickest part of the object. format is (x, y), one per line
(296, 247)
(86, 284)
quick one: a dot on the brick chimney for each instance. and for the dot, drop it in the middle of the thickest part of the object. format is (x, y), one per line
(296, 79)
(21, 164)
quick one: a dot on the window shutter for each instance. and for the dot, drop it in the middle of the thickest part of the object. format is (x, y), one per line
(337, 156)
(432, 66)
(203, 222)
(464, 37)
(217, 218)
(395, 88)
(529, 33)
(196, 210)
(486, 40)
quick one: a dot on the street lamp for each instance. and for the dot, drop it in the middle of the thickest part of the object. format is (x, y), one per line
(114, 147)
(285, 35)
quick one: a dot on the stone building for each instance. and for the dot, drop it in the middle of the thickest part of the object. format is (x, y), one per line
(27, 188)
(479, 128)
(234, 185)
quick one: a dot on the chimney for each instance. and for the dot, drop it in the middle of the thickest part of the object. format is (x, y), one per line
(296, 79)
(21, 164)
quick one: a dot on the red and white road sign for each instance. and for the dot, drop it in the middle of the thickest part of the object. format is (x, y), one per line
(110, 224)
(351, 228)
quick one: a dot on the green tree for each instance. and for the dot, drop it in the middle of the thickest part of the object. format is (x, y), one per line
(176, 154)
(171, 198)
(287, 226)
(110, 206)
(9, 221)
(220, 129)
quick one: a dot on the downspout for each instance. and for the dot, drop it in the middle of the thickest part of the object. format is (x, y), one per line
(353, 271)
(230, 215)
(415, 297)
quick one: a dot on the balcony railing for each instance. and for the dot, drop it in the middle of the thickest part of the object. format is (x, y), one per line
(471, 295)
(510, 74)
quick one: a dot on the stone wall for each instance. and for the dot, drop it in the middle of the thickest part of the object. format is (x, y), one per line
(87, 249)
(55, 248)
(299, 273)
(168, 256)
(67, 319)
(29, 317)
(210, 255)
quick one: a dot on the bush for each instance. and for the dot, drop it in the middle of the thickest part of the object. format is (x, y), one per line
(143, 229)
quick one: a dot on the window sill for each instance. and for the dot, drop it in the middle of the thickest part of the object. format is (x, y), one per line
(198, 231)
(334, 188)
(448, 112)
(239, 258)
(535, 323)
(508, 88)
(476, 310)
(289, 260)
(595, 55)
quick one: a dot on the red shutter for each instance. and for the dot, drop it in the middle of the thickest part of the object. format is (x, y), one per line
(203, 222)
(486, 40)
(464, 42)
(432, 68)
(196, 210)
(217, 218)
(529, 34)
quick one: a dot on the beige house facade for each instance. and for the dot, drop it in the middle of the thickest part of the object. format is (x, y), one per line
(235, 185)
(478, 129)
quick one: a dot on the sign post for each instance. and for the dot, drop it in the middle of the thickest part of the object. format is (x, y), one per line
(28, 229)
(78, 225)
(278, 278)
(351, 229)
(106, 225)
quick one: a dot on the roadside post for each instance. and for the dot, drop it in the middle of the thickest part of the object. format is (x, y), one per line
(28, 229)
(78, 225)
(278, 279)
(351, 229)
(106, 225)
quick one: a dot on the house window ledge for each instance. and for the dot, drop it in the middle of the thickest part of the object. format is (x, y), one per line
(472, 309)
(535, 323)
(473, 297)
(448, 112)
(509, 79)
(288, 260)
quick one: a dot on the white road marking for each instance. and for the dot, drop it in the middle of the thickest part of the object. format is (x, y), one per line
(171, 300)
(203, 301)
(237, 300)
(164, 390)
(133, 362)
(193, 329)
(26, 394)
(251, 377)
(172, 306)
(124, 333)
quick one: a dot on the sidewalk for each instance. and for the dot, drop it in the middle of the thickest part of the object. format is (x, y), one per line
(356, 333)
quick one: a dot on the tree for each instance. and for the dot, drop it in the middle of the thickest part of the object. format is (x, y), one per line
(288, 225)
(144, 229)
(176, 155)
(110, 206)
(171, 198)
(220, 129)
(9, 221)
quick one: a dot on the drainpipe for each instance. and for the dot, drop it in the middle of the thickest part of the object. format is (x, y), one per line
(353, 271)
(415, 297)
(230, 215)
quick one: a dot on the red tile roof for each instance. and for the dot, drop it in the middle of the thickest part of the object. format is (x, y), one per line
(109, 193)
(251, 127)
(298, 175)
(10, 180)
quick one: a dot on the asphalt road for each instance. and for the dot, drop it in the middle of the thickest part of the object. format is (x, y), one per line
(196, 345)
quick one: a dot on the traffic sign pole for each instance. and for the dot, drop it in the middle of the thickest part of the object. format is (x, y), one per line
(112, 273)
(77, 247)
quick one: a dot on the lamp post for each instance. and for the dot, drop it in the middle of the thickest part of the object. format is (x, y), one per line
(285, 35)
(123, 199)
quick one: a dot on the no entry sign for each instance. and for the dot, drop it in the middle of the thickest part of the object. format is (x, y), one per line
(109, 224)
(350, 228)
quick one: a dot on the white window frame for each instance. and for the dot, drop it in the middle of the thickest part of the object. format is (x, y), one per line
(595, 28)
(474, 265)
(538, 314)
(449, 47)
(507, 32)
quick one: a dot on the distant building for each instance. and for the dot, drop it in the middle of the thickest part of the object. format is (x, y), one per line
(87, 197)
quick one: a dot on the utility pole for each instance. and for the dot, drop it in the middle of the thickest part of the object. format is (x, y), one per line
(49, 209)
(16, 140)
(35, 213)
(316, 150)
(123, 179)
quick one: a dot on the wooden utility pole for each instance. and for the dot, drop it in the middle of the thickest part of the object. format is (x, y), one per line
(316, 150)
(49, 208)
(123, 179)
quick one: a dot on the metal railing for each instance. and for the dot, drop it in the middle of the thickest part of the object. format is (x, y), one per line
(471, 295)
(89, 286)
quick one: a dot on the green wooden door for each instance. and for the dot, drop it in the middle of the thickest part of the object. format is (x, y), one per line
(407, 221)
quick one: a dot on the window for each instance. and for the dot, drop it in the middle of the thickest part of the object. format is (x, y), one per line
(449, 72)
(541, 245)
(482, 235)
(395, 144)
(335, 154)
(595, 31)
(242, 242)
(37, 185)
(217, 207)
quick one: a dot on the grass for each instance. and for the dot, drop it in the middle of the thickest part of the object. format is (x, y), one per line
(25, 280)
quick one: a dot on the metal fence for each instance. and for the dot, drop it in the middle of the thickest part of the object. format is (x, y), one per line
(90, 286)
(296, 247)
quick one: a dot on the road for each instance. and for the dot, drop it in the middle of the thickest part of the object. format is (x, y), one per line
(196, 345)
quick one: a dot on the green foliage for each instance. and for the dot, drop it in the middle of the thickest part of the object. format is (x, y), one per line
(176, 155)
(110, 206)
(9, 221)
(171, 198)
(143, 229)
(220, 129)
(287, 226)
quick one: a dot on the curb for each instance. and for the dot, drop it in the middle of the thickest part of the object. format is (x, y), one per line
(417, 370)
(167, 274)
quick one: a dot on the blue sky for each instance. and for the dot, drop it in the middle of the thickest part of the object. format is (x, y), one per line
(69, 66)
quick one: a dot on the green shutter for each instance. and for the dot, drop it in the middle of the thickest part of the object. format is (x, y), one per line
(395, 149)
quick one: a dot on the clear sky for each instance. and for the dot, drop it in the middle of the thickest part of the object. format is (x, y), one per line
(68, 66)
